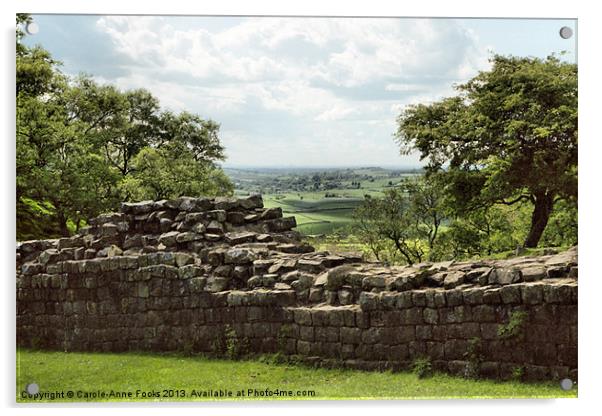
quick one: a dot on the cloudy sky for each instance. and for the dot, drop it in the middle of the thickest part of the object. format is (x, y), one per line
(294, 91)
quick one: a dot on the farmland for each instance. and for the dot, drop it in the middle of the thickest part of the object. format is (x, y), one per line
(321, 200)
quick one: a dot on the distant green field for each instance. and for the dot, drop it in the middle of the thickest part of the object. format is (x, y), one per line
(316, 213)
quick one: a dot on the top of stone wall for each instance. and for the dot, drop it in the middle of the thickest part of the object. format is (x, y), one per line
(219, 244)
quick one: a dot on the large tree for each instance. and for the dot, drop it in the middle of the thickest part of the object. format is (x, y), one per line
(79, 141)
(508, 137)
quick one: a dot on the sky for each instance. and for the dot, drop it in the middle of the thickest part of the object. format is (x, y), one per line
(295, 92)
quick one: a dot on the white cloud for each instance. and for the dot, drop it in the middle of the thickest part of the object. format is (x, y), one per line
(324, 80)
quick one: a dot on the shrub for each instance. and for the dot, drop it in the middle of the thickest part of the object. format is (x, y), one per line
(514, 329)
(422, 367)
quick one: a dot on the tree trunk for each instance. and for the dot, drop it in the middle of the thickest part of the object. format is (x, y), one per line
(63, 224)
(544, 203)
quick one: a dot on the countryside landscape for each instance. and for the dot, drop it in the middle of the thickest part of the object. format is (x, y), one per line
(323, 201)
(425, 230)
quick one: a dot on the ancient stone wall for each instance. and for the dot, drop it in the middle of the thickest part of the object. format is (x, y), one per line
(224, 274)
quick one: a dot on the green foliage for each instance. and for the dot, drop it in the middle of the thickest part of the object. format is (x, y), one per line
(514, 329)
(35, 219)
(483, 232)
(518, 373)
(474, 357)
(562, 227)
(227, 343)
(82, 148)
(422, 367)
(509, 136)
(170, 171)
(408, 218)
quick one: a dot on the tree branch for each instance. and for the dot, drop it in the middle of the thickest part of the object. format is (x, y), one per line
(514, 201)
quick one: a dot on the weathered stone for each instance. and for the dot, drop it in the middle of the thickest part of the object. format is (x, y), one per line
(218, 215)
(368, 301)
(505, 276)
(345, 297)
(199, 228)
(187, 237)
(478, 275)
(532, 294)
(223, 271)
(453, 279)
(48, 256)
(530, 274)
(212, 238)
(281, 224)
(215, 227)
(567, 258)
(251, 202)
(310, 265)
(189, 271)
(510, 294)
(281, 286)
(226, 203)
(239, 237)
(137, 208)
(240, 256)
(240, 272)
(316, 294)
(182, 259)
(194, 204)
(169, 238)
(261, 281)
(402, 283)
(441, 266)
(110, 251)
(333, 278)
(235, 217)
(558, 293)
(291, 248)
(165, 224)
(371, 282)
(554, 272)
(262, 266)
(197, 284)
(216, 284)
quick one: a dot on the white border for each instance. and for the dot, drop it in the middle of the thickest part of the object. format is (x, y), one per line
(589, 163)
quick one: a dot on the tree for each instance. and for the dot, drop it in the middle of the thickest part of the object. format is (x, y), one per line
(408, 216)
(171, 171)
(480, 232)
(509, 136)
(425, 195)
(78, 144)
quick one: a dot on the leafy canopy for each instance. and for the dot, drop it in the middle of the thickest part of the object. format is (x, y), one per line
(510, 135)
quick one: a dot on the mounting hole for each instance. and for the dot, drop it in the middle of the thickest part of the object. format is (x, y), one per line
(32, 28)
(32, 388)
(566, 32)
(566, 384)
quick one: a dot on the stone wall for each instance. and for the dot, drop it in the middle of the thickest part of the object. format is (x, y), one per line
(209, 275)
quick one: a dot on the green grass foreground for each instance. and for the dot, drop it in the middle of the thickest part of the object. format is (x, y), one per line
(170, 377)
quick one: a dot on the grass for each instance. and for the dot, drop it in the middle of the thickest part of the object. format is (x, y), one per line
(314, 213)
(180, 375)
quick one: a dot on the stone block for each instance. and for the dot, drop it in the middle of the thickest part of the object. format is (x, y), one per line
(511, 294)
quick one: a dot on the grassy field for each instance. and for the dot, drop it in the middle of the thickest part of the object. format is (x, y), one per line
(315, 213)
(170, 377)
